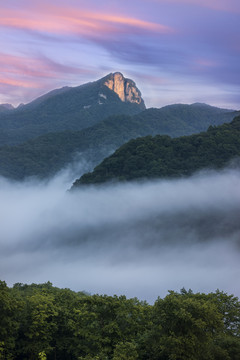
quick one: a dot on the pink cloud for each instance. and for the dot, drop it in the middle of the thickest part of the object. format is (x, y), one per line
(18, 65)
(18, 83)
(17, 71)
(24, 78)
(35, 67)
(60, 20)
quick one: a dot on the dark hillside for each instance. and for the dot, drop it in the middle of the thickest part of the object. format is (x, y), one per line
(161, 156)
(47, 154)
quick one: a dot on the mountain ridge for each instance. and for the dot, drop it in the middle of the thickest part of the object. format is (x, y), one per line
(67, 109)
(165, 157)
(49, 153)
(89, 122)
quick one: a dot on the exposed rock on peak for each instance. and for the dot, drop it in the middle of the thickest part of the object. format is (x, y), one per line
(125, 88)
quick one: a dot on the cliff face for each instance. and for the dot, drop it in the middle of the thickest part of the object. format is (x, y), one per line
(125, 88)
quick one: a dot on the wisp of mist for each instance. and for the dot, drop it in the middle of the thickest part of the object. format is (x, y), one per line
(138, 239)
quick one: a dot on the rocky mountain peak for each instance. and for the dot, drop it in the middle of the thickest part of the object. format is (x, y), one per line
(125, 88)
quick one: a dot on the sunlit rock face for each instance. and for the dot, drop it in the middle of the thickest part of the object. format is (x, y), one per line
(125, 88)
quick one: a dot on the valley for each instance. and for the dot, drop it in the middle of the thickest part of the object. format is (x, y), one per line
(159, 212)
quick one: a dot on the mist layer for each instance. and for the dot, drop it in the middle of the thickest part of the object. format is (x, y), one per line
(137, 239)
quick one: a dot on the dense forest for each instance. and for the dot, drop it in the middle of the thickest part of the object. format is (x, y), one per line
(161, 156)
(47, 154)
(45, 322)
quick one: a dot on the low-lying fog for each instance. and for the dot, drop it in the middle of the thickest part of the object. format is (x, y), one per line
(134, 239)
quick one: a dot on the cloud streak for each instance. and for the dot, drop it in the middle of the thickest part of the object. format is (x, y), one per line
(34, 67)
(59, 20)
(33, 73)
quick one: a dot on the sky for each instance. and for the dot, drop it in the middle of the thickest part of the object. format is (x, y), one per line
(177, 51)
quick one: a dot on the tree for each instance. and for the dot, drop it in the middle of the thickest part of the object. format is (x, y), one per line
(38, 324)
(10, 307)
(101, 323)
(185, 326)
(125, 351)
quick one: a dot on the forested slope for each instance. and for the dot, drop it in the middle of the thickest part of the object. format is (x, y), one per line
(47, 154)
(161, 156)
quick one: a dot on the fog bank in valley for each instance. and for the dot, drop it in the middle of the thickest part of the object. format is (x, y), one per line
(137, 239)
